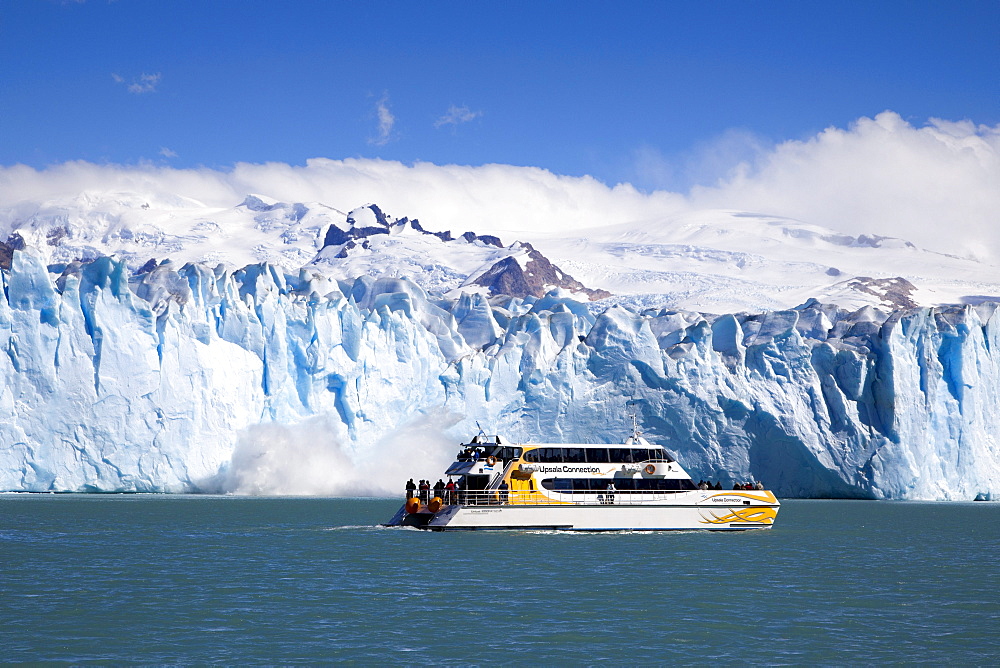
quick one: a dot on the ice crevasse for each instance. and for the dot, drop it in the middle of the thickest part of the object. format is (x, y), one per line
(119, 382)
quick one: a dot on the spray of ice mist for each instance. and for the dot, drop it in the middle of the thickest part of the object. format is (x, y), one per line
(311, 458)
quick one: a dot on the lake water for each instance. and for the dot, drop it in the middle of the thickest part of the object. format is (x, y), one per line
(227, 580)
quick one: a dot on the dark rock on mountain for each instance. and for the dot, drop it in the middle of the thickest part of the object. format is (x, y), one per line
(538, 277)
(336, 236)
(506, 277)
(894, 293)
(487, 239)
(14, 242)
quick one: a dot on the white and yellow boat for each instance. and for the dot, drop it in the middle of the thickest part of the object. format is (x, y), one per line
(634, 486)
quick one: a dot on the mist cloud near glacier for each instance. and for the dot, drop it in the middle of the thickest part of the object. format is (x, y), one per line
(935, 185)
(311, 458)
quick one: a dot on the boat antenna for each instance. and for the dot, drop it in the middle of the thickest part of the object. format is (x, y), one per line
(481, 432)
(633, 413)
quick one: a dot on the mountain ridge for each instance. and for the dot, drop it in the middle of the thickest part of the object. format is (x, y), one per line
(710, 261)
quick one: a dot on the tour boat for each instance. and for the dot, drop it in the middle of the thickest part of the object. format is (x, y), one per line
(634, 486)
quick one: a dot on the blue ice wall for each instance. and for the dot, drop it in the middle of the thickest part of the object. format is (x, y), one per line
(143, 383)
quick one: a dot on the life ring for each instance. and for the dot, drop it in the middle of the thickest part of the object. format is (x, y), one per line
(650, 469)
(491, 460)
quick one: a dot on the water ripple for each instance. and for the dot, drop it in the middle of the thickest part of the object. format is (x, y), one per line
(157, 580)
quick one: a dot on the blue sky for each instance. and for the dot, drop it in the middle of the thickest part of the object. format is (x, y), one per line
(638, 92)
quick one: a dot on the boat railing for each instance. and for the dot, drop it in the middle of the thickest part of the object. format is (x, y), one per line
(496, 497)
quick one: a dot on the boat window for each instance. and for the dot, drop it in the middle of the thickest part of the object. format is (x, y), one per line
(559, 484)
(625, 485)
(552, 455)
(597, 455)
(621, 455)
(582, 455)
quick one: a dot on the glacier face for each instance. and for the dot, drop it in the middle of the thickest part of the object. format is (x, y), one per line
(162, 381)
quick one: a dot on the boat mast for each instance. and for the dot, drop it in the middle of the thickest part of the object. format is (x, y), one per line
(634, 414)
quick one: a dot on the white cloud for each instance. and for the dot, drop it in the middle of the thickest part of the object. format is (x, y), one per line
(146, 83)
(386, 121)
(457, 115)
(935, 185)
(707, 163)
(167, 153)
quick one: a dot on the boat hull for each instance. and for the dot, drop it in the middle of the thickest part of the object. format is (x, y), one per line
(735, 511)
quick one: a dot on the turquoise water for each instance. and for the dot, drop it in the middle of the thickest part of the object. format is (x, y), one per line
(182, 580)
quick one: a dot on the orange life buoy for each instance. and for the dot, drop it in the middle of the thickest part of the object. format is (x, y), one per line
(435, 504)
(491, 460)
(412, 505)
(650, 469)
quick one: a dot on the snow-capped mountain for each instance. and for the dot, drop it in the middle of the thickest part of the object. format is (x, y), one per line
(728, 261)
(288, 235)
(154, 344)
(709, 261)
(139, 227)
(368, 243)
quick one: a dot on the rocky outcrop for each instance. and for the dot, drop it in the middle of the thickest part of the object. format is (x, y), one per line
(535, 278)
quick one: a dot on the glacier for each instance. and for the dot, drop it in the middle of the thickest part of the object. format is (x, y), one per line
(196, 379)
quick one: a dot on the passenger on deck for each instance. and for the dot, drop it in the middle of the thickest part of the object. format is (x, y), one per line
(759, 485)
(503, 491)
(737, 486)
(459, 492)
(449, 492)
(439, 488)
(410, 489)
(609, 493)
(425, 488)
(718, 486)
(702, 485)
